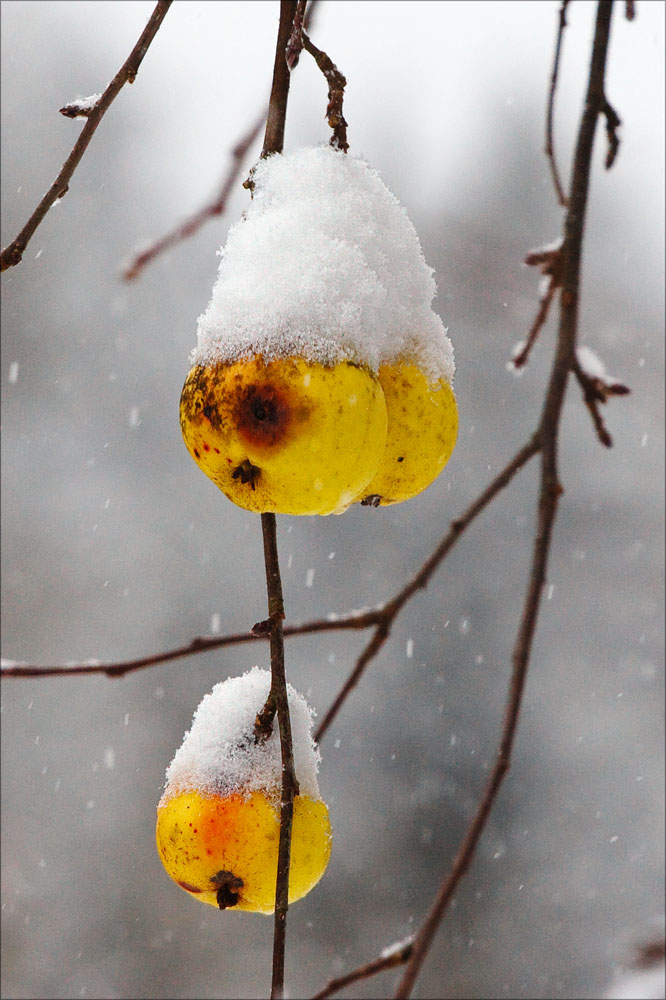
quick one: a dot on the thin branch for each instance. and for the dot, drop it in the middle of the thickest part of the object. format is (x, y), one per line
(295, 43)
(550, 148)
(354, 620)
(13, 254)
(550, 488)
(277, 105)
(388, 960)
(549, 262)
(273, 143)
(218, 205)
(597, 390)
(336, 92)
(612, 125)
(391, 609)
(214, 208)
(200, 644)
(277, 702)
(379, 616)
(376, 642)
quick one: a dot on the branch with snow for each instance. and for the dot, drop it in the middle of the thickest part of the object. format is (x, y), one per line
(597, 388)
(549, 261)
(396, 954)
(93, 109)
(82, 107)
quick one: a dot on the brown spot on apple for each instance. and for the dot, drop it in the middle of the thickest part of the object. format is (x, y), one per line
(263, 413)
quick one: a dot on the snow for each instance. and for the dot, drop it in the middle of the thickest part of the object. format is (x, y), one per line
(591, 364)
(81, 107)
(324, 264)
(397, 947)
(219, 756)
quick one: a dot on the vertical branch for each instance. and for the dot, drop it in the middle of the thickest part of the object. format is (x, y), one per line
(277, 105)
(550, 488)
(273, 143)
(278, 698)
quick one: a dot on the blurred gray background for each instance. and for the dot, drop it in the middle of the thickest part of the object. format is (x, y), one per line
(115, 544)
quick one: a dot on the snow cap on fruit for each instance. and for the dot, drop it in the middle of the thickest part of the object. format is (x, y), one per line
(324, 265)
(219, 754)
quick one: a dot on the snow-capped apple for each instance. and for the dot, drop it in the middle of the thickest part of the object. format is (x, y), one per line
(218, 821)
(322, 307)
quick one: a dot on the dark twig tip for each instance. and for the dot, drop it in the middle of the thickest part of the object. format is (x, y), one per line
(613, 122)
(295, 43)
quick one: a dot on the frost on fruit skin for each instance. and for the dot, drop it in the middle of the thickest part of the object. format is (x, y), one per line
(324, 265)
(218, 821)
(285, 435)
(421, 435)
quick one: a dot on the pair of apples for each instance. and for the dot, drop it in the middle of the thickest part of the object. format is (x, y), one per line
(289, 435)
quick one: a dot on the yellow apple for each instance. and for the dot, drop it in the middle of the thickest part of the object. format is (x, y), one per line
(223, 850)
(421, 434)
(286, 435)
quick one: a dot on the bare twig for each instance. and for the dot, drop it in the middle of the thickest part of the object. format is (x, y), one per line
(277, 703)
(391, 609)
(277, 105)
(550, 488)
(218, 205)
(295, 43)
(388, 960)
(336, 92)
(612, 125)
(380, 617)
(214, 208)
(13, 253)
(550, 148)
(549, 262)
(200, 644)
